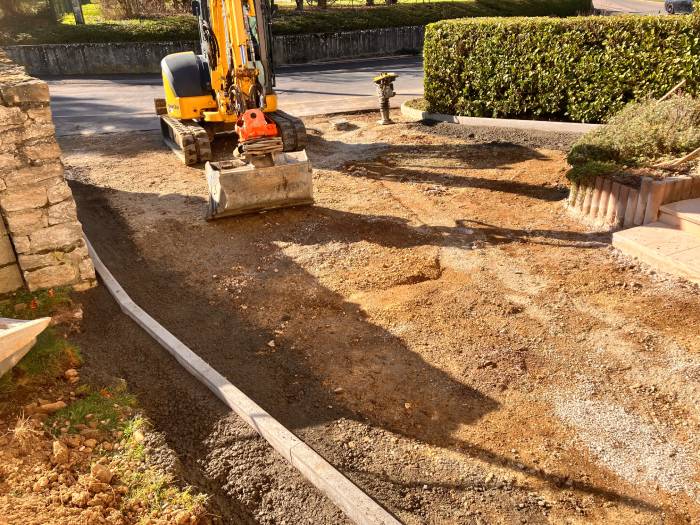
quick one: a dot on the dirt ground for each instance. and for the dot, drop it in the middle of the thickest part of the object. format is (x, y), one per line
(444, 332)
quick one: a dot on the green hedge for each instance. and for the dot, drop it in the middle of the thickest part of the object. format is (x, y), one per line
(35, 30)
(581, 69)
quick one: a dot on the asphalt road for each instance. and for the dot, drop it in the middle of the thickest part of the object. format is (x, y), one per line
(123, 103)
(630, 6)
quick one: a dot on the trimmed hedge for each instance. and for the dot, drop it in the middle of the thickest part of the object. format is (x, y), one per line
(580, 69)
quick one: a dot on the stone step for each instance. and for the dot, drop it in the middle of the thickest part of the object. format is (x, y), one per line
(663, 247)
(683, 215)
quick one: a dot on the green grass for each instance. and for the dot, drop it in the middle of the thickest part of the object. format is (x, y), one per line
(50, 356)
(32, 305)
(106, 406)
(32, 30)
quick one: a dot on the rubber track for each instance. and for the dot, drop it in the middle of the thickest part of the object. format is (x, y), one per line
(292, 130)
(190, 138)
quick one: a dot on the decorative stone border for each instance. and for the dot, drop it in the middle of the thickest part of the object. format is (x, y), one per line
(611, 205)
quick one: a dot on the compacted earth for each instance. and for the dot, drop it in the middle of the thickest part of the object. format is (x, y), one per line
(437, 326)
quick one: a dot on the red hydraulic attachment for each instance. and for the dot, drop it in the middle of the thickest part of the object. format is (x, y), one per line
(253, 124)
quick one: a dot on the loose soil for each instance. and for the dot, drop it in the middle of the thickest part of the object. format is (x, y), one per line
(436, 326)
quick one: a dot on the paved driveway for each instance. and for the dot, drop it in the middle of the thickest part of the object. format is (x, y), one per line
(121, 103)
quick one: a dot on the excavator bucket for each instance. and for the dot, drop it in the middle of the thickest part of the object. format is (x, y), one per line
(236, 187)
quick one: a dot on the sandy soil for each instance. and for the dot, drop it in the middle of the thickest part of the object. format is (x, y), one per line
(444, 333)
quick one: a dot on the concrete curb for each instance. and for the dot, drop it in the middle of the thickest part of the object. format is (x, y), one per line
(357, 505)
(534, 125)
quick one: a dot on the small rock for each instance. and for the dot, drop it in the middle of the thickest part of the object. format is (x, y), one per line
(60, 453)
(72, 440)
(138, 436)
(489, 478)
(106, 445)
(101, 473)
(90, 433)
(50, 408)
(338, 390)
(41, 484)
(183, 518)
(80, 499)
(91, 443)
(98, 486)
(70, 373)
(271, 343)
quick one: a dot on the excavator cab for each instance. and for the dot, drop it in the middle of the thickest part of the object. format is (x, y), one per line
(227, 90)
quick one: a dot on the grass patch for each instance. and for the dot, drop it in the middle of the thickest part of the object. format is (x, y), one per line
(50, 356)
(417, 103)
(106, 406)
(32, 305)
(32, 30)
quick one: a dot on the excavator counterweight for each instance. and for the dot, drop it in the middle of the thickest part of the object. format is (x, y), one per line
(228, 91)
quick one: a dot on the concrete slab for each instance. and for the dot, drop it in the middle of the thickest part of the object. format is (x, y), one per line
(663, 247)
(683, 215)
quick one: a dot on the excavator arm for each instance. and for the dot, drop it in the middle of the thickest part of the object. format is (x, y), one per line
(228, 89)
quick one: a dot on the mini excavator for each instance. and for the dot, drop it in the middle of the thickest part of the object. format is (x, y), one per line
(228, 91)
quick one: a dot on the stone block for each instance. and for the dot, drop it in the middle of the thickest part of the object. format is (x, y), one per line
(34, 262)
(42, 114)
(10, 137)
(23, 199)
(34, 174)
(22, 244)
(37, 130)
(10, 279)
(56, 237)
(7, 252)
(32, 91)
(26, 222)
(42, 151)
(62, 212)
(8, 161)
(87, 270)
(51, 276)
(58, 192)
(11, 117)
(85, 285)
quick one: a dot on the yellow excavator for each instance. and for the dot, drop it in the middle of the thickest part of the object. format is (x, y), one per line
(227, 90)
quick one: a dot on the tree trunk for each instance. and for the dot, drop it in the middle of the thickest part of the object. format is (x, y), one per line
(369, 2)
(300, 5)
(322, 4)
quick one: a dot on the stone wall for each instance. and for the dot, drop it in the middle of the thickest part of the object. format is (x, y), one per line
(36, 204)
(144, 57)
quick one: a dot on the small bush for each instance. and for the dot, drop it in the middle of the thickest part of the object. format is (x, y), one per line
(581, 69)
(642, 134)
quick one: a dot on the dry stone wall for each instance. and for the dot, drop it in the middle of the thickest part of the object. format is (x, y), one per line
(41, 240)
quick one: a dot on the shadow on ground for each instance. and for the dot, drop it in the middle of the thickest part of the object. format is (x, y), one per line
(328, 343)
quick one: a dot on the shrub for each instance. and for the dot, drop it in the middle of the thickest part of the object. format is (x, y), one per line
(643, 133)
(582, 69)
